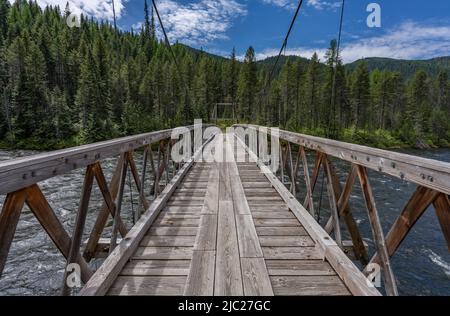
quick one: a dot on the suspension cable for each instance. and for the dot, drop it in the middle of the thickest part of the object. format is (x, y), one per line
(166, 39)
(284, 45)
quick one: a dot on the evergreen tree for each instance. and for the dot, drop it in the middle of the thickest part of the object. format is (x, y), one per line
(247, 87)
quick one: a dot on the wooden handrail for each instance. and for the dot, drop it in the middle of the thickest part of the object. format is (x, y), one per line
(426, 172)
(16, 174)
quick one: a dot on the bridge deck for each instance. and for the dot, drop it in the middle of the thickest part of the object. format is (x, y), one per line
(227, 231)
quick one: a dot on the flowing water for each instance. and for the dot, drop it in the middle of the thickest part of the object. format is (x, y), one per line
(421, 264)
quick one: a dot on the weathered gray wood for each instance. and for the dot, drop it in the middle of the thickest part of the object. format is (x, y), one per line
(168, 241)
(299, 267)
(156, 268)
(38, 204)
(286, 241)
(249, 246)
(391, 287)
(333, 203)
(292, 253)
(79, 222)
(255, 277)
(200, 281)
(9, 217)
(281, 231)
(114, 207)
(207, 233)
(172, 231)
(308, 285)
(442, 206)
(315, 176)
(148, 285)
(309, 194)
(228, 280)
(166, 253)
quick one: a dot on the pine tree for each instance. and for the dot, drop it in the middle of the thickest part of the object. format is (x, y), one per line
(247, 87)
(312, 92)
(360, 97)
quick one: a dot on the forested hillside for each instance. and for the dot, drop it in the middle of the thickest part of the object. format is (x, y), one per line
(62, 86)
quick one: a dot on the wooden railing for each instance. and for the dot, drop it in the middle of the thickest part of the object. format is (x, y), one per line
(431, 177)
(19, 180)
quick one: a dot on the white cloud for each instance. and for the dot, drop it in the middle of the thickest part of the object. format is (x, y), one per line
(322, 4)
(101, 9)
(409, 40)
(316, 4)
(201, 21)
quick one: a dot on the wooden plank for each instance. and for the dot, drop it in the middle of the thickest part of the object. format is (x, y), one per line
(292, 253)
(255, 277)
(154, 253)
(168, 241)
(200, 281)
(211, 201)
(228, 278)
(172, 221)
(272, 222)
(308, 285)
(104, 277)
(273, 215)
(156, 268)
(281, 231)
(332, 197)
(377, 230)
(9, 217)
(148, 285)
(249, 246)
(442, 206)
(172, 231)
(286, 241)
(207, 233)
(299, 267)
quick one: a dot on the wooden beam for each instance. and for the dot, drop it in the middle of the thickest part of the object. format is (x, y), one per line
(377, 230)
(9, 217)
(79, 223)
(308, 200)
(309, 192)
(137, 180)
(102, 218)
(416, 206)
(117, 206)
(38, 204)
(442, 206)
(342, 197)
(333, 204)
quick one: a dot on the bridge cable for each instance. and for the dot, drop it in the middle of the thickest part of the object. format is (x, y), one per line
(166, 40)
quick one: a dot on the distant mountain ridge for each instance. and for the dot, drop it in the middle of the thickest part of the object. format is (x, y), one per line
(406, 67)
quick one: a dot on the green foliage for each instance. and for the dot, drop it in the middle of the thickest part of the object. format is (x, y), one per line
(63, 86)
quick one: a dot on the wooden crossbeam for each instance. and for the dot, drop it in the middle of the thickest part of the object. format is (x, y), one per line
(333, 204)
(442, 206)
(308, 200)
(342, 197)
(375, 224)
(79, 223)
(416, 206)
(38, 204)
(9, 217)
(102, 218)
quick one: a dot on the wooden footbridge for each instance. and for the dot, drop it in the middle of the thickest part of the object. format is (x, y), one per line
(228, 226)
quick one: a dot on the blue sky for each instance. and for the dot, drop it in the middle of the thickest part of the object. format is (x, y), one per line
(411, 29)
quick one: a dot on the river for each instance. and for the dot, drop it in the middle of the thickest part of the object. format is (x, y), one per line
(421, 265)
